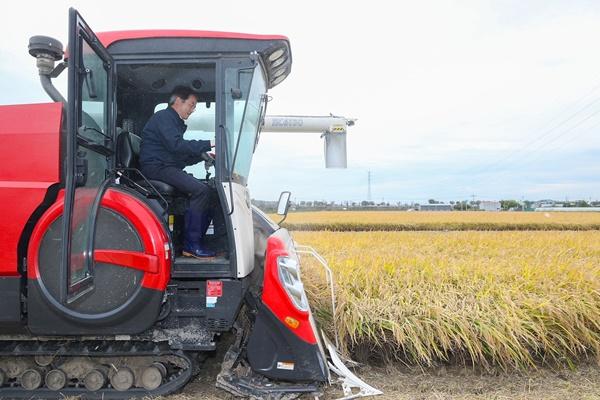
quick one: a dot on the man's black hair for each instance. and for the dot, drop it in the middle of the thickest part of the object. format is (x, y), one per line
(183, 92)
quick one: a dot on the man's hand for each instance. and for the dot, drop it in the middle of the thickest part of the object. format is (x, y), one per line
(209, 159)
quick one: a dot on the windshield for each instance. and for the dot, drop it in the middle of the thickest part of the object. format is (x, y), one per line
(244, 109)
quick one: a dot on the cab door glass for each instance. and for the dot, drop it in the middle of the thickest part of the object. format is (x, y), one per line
(250, 114)
(91, 164)
(244, 107)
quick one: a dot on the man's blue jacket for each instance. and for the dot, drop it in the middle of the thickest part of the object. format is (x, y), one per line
(163, 143)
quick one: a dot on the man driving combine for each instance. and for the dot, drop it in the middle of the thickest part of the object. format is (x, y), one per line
(163, 155)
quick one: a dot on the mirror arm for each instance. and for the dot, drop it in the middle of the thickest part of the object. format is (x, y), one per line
(282, 219)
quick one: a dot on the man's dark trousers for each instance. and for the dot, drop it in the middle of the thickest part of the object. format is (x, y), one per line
(203, 201)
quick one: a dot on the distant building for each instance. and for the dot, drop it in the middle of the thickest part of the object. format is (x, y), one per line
(485, 205)
(435, 207)
(545, 203)
(568, 209)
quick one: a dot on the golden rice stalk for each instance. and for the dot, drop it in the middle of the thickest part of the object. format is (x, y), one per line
(509, 299)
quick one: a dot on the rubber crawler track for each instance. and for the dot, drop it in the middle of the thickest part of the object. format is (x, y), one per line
(113, 353)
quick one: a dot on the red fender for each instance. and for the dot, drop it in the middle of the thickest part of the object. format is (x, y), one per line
(155, 261)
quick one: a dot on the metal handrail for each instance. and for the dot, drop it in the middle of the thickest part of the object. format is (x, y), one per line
(330, 281)
(352, 385)
(119, 173)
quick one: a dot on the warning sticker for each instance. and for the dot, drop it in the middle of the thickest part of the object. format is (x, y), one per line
(167, 248)
(289, 366)
(211, 302)
(214, 288)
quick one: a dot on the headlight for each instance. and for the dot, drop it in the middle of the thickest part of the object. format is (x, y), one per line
(289, 275)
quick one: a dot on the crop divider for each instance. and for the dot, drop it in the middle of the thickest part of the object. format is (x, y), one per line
(301, 249)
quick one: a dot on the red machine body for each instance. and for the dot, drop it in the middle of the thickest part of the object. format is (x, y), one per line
(30, 151)
(96, 298)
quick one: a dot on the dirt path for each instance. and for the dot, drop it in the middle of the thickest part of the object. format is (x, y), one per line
(463, 384)
(442, 384)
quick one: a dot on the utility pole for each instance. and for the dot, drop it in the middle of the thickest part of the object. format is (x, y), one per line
(473, 203)
(369, 185)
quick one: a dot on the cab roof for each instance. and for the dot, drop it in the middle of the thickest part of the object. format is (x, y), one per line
(274, 49)
(108, 38)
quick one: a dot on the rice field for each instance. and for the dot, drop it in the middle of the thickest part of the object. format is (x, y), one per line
(508, 299)
(452, 220)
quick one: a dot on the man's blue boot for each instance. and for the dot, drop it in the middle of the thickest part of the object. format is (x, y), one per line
(193, 233)
(198, 252)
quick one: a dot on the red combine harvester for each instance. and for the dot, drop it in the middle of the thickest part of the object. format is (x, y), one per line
(96, 300)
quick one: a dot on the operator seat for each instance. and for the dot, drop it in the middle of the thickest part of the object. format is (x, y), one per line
(128, 151)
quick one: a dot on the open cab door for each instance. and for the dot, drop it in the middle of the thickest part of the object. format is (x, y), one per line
(89, 145)
(100, 259)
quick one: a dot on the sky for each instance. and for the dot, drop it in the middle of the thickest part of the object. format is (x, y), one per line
(483, 100)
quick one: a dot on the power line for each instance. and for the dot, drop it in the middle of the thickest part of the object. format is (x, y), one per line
(538, 138)
(582, 104)
(536, 157)
(545, 132)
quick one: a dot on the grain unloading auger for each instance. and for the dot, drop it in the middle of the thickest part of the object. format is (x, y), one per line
(96, 299)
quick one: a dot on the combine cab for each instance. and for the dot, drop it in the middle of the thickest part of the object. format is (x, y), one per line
(96, 298)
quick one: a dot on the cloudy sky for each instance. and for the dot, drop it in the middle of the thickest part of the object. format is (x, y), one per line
(454, 99)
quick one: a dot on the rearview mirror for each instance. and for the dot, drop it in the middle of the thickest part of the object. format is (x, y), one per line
(283, 205)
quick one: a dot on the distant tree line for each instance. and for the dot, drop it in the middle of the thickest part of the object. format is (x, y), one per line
(458, 205)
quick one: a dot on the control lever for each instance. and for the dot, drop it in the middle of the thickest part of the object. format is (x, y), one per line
(209, 161)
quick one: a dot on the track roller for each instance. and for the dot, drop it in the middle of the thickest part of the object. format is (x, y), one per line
(94, 380)
(123, 379)
(31, 379)
(152, 377)
(56, 379)
(43, 360)
(161, 367)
